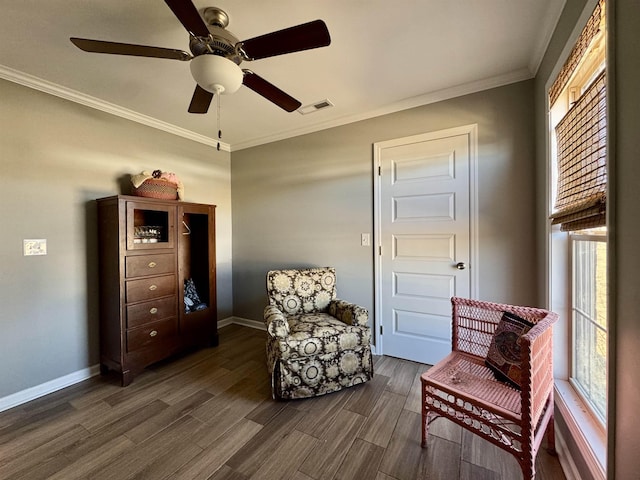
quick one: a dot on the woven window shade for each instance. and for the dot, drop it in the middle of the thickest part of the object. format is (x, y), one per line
(590, 30)
(582, 167)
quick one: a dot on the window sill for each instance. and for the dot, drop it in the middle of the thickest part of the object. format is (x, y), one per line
(585, 431)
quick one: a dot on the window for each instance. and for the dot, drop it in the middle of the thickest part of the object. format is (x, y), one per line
(589, 319)
(578, 177)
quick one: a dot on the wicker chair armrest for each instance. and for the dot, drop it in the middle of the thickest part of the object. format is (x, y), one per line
(537, 353)
(276, 322)
(349, 313)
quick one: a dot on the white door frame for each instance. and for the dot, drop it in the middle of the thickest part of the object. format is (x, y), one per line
(472, 132)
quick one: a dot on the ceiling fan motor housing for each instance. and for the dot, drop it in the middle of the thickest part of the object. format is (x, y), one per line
(219, 42)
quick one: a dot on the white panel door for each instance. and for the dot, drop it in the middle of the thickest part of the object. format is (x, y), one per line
(424, 234)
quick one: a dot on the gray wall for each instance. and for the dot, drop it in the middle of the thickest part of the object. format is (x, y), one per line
(56, 157)
(624, 210)
(306, 200)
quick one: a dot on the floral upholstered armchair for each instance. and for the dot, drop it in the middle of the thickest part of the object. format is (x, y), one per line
(316, 344)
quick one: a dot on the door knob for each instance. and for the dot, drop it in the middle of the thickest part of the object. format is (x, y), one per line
(461, 265)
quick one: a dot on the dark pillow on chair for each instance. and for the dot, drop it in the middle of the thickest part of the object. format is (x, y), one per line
(503, 357)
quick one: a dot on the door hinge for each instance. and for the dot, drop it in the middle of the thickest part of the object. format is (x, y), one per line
(381, 329)
(379, 170)
(380, 250)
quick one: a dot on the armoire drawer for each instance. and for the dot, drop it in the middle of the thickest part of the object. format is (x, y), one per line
(142, 265)
(151, 311)
(151, 333)
(148, 288)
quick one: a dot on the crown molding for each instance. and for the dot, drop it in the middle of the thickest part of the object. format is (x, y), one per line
(45, 86)
(418, 101)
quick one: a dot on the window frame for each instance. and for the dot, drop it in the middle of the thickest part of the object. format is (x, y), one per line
(579, 390)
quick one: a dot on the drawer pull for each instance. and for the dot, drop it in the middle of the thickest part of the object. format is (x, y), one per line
(153, 287)
(153, 333)
(152, 264)
(153, 311)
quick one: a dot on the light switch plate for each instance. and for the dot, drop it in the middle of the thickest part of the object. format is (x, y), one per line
(34, 246)
(365, 240)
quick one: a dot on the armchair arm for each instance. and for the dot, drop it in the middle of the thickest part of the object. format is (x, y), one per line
(349, 313)
(537, 361)
(276, 322)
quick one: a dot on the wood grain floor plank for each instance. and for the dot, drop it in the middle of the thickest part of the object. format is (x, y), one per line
(166, 417)
(321, 412)
(192, 381)
(29, 424)
(301, 476)
(223, 411)
(324, 461)
(469, 471)
(42, 471)
(84, 467)
(286, 459)
(256, 451)
(103, 388)
(115, 428)
(478, 451)
(132, 403)
(227, 473)
(251, 369)
(215, 455)
(402, 378)
(414, 398)
(441, 461)
(402, 458)
(445, 428)
(383, 476)
(386, 365)
(382, 422)
(28, 463)
(266, 410)
(365, 396)
(11, 417)
(361, 462)
(34, 439)
(153, 458)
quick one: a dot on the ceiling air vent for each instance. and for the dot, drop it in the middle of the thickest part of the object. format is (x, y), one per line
(314, 107)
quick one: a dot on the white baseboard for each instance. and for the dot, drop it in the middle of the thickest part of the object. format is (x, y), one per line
(242, 321)
(56, 384)
(588, 437)
(46, 388)
(564, 456)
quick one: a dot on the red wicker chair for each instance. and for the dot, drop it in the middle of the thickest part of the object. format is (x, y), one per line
(461, 388)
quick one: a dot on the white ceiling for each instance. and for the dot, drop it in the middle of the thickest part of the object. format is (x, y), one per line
(384, 56)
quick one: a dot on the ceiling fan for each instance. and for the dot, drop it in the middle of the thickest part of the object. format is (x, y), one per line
(216, 53)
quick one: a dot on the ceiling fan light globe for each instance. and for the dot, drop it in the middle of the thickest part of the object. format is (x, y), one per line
(216, 74)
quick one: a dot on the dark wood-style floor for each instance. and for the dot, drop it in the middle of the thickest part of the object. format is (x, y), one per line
(209, 415)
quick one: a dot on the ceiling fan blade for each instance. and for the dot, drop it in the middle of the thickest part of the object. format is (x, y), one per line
(100, 46)
(270, 91)
(188, 15)
(293, 39)
(200, 101)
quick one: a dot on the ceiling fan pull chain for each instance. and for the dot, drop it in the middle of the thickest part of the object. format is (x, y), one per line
(218, 119)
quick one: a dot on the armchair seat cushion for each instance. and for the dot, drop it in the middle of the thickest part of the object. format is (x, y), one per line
(320, 333)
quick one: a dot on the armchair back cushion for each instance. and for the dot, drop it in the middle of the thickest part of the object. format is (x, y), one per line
(302, 291)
